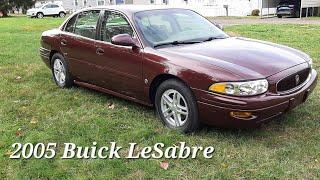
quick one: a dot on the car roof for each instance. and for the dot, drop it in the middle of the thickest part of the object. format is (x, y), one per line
(131, 9)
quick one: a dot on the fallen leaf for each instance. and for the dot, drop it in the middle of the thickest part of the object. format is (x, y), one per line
(8, 153)
(19, 132)
(164, 165)
(111, 106)
(224, 165)
(33, 121)
(158, 130)
(18, 77)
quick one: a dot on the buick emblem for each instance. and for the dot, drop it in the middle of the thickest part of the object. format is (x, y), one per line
(297, 79)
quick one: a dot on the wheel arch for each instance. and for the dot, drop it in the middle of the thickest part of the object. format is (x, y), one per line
(157, 81)
(52, 52)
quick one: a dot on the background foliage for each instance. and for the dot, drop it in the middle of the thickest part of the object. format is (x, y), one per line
(6, 5)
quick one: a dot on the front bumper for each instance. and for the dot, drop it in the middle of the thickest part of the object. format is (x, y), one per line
(215, 109)
(31, 14)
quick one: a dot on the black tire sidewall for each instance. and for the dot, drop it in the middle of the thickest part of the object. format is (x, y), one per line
(192, 123)
(68, 80)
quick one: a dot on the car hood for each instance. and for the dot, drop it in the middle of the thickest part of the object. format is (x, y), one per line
(245, 57)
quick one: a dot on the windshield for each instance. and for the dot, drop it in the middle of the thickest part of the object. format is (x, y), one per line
(175, 25)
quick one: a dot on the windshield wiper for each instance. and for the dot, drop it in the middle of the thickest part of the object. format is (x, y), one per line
(176, 43)
(213, 38)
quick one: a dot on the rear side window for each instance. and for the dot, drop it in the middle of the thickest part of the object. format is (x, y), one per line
(86, 24)
(54, 6)
(71, 24)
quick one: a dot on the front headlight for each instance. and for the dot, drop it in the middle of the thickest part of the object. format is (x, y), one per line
(247, 88)
(310, 62)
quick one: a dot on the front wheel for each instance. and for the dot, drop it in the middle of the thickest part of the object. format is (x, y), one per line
(279, 16)
(176, 106)
(40, 15)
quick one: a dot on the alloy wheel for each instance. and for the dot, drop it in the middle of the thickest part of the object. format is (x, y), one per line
(174, 108)
(59, 71)
(40, 15)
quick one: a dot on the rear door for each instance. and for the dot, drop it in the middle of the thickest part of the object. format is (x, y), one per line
(77, 43)
(54, 9)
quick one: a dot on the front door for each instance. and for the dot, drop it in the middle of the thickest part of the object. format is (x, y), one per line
(122, 65)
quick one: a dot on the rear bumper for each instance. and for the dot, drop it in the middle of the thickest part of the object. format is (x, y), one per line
(45, 56)
(215, 109)
(286, 12)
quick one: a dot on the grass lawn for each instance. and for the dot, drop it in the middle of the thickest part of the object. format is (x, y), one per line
(33, 109)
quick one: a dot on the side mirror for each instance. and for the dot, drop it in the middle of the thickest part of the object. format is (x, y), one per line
(123, 40)
(220, 26)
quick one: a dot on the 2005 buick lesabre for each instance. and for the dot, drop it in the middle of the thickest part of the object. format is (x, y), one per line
(176, 60)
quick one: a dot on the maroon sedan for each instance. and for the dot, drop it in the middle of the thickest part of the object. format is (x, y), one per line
(178, 61)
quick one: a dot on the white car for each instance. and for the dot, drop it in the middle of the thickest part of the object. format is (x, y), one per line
(47, 10)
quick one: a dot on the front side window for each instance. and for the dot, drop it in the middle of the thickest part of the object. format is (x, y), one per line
(86, 24)
(114, 24)
(170, 25)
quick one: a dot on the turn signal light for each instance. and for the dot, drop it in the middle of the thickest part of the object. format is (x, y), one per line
(241, 115)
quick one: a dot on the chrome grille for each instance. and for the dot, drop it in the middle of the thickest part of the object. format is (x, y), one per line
(293, 81)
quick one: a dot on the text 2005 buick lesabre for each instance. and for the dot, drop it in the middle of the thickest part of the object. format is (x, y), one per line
(176, 60)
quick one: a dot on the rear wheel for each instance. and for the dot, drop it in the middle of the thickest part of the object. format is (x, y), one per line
(176, 106)
(60, 71)
(40, 15)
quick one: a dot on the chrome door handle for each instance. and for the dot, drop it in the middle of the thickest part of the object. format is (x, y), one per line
(100, 51)
(63, 42)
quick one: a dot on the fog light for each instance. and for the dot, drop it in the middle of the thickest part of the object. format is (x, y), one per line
(241, 115)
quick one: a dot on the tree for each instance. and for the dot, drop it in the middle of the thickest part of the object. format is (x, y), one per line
(6, 5)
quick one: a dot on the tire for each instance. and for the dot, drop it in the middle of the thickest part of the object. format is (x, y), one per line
(40, 15)
(60, 71)
(297, 14)
(182, 113)
(62, 14)
(279, 16)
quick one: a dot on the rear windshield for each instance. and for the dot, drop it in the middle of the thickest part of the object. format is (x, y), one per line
(289, 2)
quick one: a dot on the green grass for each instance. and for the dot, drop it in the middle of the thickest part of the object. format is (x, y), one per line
(286, 148)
